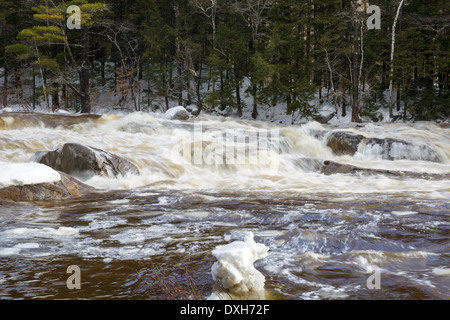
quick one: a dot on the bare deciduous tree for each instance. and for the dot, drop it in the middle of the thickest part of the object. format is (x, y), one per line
(120, 34)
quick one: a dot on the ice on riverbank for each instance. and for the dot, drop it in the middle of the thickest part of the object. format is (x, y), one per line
(19, 174)
(234, 271)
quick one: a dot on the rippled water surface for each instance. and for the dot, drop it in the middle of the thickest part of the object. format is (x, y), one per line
(326, 234)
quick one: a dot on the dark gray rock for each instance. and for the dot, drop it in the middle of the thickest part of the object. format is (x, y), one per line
(344, 143)
(84, 162)
(331, 167)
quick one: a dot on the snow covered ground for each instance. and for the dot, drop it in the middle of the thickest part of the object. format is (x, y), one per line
(104, 101)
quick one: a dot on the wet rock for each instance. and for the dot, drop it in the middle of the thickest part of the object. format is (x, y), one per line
(309, 164)
(134, 127)
(392, 149)
(331, 167)
(19, 120)
(344, 143)
(324, 118)
(347, 143)
(84, 162)
(319, 134)
(177, 113)
(66, 189)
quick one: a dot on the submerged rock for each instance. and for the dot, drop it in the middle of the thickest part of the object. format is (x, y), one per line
(84, 161)
(65, 189)
(309, 164)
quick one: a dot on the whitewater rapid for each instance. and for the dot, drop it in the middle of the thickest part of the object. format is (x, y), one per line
(158, 147)
(324, 232)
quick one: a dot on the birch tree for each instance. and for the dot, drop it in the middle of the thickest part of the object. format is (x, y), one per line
(391, 82)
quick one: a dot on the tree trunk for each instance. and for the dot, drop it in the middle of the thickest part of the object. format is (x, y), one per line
(188, 89)
(222, 105)
(344, 106)
(238, 99)
(355, 68)
(164, 84)
(255, 104)
(55, 98)
(198, 79)
(5, 74)
(84, 72)
(391, 83)
(180, 85)
(34, 88)
(5, 85)
(102, 70)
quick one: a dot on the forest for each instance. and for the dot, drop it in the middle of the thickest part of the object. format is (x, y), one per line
(214, 53)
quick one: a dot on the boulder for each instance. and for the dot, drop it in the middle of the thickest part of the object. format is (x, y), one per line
(344, 143)
(177, 113)
(324, 118)
(393, 149)
(347, 143)
(84, 162)
(331, 167)
(66, 189)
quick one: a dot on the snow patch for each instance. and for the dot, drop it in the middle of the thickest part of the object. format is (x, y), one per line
(19, 174)
(175, 112)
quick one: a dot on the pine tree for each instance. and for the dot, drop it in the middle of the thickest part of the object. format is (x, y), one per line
(287, 53)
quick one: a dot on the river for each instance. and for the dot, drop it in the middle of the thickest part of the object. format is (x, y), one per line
(341, 236)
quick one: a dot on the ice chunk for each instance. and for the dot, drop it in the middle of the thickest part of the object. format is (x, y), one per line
(9, 251)
(441, 271)
(26, 173)
(234, 271)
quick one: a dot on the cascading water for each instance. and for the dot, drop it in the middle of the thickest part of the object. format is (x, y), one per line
(207, 182)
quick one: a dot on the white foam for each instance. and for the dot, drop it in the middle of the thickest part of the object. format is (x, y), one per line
(62, 231)
(43, 232)
(441, 271)
(5, 252)
(31, 245)
(129, 237)
(121, 201)
(404, 213)
(9, 251)
(235, 271)
(13, 174)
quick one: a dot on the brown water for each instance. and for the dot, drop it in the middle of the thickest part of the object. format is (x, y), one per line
(325, 233)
